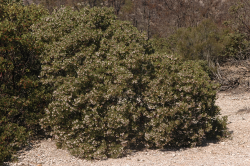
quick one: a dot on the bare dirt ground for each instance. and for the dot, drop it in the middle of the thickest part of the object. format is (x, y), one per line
(231, 151)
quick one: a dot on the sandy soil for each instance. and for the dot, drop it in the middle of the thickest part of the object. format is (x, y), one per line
(232, 151)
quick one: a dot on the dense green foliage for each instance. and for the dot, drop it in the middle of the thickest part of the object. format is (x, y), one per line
(206, 42)
(22, 97)
(201, 42)
(184, 101)
(94, 62)
(112, 93)
(237, 46)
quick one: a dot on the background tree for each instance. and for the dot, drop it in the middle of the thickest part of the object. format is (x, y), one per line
(156, 17)
(239, 23)
(240, 16)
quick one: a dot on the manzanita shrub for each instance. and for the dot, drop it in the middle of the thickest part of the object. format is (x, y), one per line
(94, 62)
(112, 93)
(22, 97)
(182, 98)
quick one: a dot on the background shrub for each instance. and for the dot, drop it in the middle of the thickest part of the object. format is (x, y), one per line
(112, 93)
(237, 46)
(206, 42)
(198, 43)
(22, 98)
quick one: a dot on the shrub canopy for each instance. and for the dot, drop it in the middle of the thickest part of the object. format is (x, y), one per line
(110, 92)
(98, 66)
(22, 97)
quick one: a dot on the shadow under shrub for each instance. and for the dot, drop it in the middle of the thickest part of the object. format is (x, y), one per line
(111, 92)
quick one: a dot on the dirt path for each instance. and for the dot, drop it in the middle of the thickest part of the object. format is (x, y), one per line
(234, 151)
